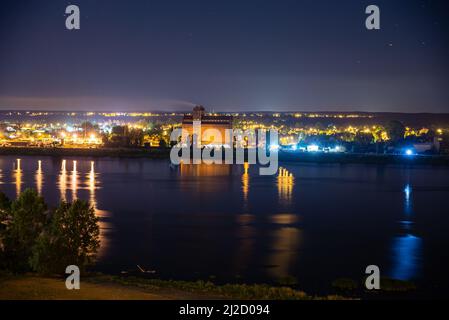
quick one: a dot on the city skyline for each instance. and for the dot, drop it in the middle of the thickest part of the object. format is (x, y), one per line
(229, 56)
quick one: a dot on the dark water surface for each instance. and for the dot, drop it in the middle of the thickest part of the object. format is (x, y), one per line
(312, 223)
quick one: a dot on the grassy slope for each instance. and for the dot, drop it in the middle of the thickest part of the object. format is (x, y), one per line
(32, 287)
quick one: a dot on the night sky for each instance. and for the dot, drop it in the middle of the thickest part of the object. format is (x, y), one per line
(310, 55)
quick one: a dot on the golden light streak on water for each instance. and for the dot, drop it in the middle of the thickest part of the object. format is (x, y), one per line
(285, 185)
(63, 181)
(105, 227)
(91, 186)
(39, 177)
(18, 177)
(74, 182)
(286, 238)
(245, 183)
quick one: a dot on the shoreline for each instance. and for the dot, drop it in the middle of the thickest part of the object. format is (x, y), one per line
(98, 286)
(297, 157)
(360, 158)
(106, 287)
(153, 153)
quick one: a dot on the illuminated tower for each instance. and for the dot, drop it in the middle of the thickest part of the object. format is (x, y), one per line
(198, 113)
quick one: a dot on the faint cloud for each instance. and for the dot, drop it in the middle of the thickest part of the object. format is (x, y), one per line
(90, 103)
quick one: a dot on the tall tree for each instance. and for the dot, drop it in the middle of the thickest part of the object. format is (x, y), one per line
(28, 216)
(395, 130)
(72, 238)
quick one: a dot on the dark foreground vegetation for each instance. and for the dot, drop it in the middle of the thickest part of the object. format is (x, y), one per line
(46, 240)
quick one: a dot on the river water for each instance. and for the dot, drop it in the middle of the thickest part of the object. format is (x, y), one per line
(311, 223)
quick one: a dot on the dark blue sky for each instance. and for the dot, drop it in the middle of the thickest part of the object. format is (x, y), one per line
(227, 55)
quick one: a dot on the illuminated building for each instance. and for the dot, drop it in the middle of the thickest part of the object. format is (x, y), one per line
(213, 127)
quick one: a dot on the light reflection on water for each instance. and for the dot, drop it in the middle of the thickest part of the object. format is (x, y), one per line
(91, 183)
(74, 181)
(285, 183)
(63, 181)
(245, 183)
(18, 176)
(407, 247)
(227, 220)
(406, 253)
(39, 177)
(285, 237)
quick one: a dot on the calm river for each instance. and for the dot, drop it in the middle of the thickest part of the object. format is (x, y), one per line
(312, 223)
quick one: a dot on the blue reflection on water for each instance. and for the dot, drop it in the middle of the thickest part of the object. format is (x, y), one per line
(407, 202)
(406, 257)
(406, 249)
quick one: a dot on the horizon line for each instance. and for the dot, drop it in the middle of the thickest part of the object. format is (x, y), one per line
(2, 109)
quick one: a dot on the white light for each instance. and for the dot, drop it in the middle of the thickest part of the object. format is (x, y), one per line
(407, 192)
(409, 152)
(274, 147)
(294, 147)
(312, 148)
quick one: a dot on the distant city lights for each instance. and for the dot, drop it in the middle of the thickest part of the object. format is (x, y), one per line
(313, 148)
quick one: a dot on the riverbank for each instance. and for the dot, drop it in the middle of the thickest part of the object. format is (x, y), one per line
(103, 287)
(156, 153)
(311, 157)
(164, 153)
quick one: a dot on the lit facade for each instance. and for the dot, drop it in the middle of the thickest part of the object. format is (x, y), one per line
(213, 127)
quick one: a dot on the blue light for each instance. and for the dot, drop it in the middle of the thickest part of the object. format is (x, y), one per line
(406, 256)
(407, 192)
(407, 204)
(294, 147)
(409, 152)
